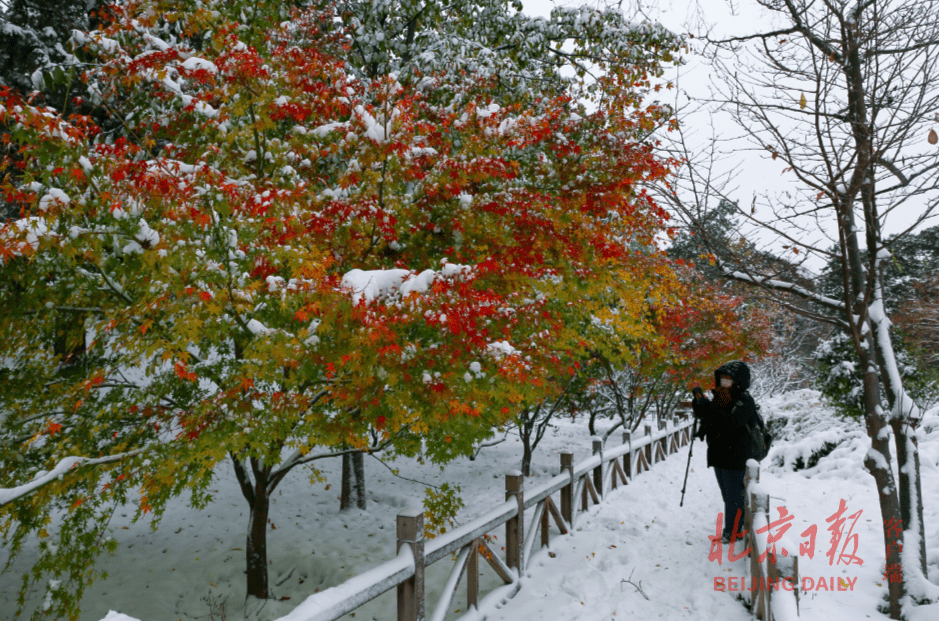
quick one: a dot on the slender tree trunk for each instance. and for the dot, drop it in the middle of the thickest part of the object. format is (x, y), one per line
(527, 424)
(526, 457)
(524, 431)
(911, 489)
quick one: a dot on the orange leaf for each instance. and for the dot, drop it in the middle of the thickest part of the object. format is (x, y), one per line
(182, 371)
(53, 428)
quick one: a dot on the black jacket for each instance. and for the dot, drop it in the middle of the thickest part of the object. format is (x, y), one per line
(725, 428)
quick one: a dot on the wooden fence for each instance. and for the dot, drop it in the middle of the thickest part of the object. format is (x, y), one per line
(772, 600)
(577, 486)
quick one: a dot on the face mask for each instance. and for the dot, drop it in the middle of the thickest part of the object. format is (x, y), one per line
(726, 383)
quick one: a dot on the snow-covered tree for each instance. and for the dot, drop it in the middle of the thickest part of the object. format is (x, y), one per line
(842, 94)
(281, 259)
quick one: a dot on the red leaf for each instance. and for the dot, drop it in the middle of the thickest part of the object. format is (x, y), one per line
(182, 371)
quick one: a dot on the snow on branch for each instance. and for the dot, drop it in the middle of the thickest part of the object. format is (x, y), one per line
(8, 495)
(780, 285)
(379, 284)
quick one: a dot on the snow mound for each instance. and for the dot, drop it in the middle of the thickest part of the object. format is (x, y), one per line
(116, 616)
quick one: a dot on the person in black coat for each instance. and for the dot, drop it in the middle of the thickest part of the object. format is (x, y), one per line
(722, 421)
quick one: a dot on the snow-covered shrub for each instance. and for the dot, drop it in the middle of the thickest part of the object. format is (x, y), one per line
(810, 436)
(839, 377)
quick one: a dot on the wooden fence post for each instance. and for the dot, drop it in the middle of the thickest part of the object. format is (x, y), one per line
(515, 527)
(567, 492)
(598, 471)
(673, 436)
(759, 599)
(410, 531)
(796, 585)
(472, 576)
(628, 457)
(648, 447)
(663, 441)
(546, 522)
(760, 503)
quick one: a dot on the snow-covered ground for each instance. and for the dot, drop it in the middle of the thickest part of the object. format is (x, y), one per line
(641, 535)
(192, 566)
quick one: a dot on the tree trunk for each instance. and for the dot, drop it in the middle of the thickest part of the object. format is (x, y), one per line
(348, 474)
(866, 346)
(911, 489)
(526, 456)
(886, 486)
(258, 497)
(353, 481)
(256, 548)
(358, 460)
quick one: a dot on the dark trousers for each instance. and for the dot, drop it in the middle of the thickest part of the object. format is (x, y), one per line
(731, 484)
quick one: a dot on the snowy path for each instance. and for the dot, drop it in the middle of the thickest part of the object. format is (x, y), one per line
(641, 530)
(638, 530)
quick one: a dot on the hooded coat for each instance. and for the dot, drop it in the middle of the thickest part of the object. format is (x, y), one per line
(725, 428)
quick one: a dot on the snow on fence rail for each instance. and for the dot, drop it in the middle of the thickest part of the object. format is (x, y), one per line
(588, 481)
(773, 600)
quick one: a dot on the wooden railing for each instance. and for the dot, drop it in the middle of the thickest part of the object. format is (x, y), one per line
(772, 600)
(587, 482)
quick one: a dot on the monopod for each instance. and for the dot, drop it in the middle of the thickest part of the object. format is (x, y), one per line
(694, 432)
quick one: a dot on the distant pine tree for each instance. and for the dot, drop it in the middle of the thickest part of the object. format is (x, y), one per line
(34, 37)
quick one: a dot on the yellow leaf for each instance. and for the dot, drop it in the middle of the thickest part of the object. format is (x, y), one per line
(803, 102)
(933, 138)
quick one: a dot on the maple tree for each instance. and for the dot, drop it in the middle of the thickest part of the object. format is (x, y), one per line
(640, 342)
(694, 328)
(274, 261)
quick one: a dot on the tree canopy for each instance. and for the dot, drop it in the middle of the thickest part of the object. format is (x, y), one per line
(297, 238)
